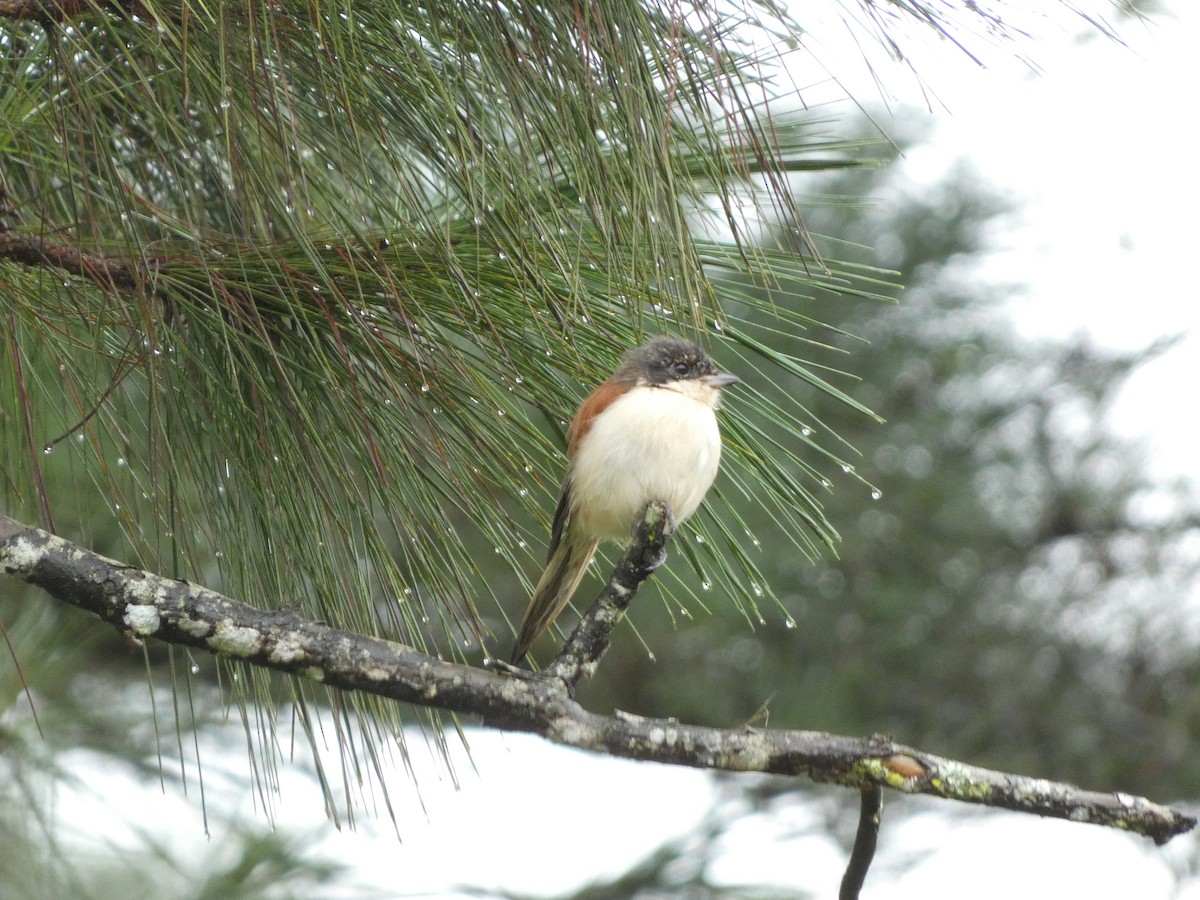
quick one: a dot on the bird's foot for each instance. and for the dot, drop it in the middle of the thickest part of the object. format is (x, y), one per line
(512, 670)
(507, 668)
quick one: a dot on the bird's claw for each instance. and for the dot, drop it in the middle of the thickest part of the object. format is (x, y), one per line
(656, 559)
(507, 668)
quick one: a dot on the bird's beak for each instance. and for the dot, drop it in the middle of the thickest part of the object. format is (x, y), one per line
(720, 380)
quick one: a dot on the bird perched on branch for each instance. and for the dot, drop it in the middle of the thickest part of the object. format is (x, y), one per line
(649, 433)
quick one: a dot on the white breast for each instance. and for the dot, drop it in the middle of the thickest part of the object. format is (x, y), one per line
(651, 444)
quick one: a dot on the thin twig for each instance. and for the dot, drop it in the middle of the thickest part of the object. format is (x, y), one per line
(142, 604)
(870, 813)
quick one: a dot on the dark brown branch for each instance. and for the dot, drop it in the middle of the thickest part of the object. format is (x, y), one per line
(63, 10)
(142, 604)
(590, 639)
(870, 813)
(105, 271)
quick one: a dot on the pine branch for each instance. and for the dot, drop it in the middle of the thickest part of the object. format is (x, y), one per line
(47, 11)
(142, 604)
(104, 271)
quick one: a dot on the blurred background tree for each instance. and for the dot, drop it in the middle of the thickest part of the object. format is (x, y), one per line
(1017, 594)
(991, 601)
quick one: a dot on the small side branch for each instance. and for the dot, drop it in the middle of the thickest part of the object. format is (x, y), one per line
(870, 813)
(142, 605)
(105, 271)
(64, 10)
(591, 637)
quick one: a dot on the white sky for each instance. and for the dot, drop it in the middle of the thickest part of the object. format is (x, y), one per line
(1098, 150)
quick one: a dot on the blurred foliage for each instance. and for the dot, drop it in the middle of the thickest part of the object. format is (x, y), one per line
(95, 711)
(1021, 594)
(42, 860)
(1018, 593)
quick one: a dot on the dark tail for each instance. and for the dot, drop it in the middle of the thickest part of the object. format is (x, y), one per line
(563, 573)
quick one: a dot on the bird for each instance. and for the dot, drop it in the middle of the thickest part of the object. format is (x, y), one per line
(647, 434)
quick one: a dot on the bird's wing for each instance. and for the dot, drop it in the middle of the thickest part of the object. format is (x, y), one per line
(595, 403)
(562, 517)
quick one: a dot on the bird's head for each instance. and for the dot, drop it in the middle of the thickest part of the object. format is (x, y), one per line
(675, 364)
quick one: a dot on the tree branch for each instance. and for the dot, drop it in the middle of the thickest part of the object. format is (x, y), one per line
(105, 271)
(591, 637)
(143, 604)
(870, 814)
(52, 11)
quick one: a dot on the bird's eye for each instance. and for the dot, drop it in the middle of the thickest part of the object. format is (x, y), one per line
(680, 368)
